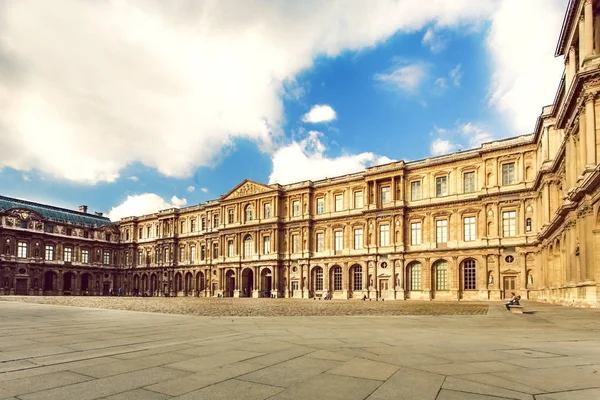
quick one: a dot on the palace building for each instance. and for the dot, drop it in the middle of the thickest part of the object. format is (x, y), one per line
(520, 214)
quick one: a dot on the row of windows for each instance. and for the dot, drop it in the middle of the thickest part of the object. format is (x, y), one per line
(50, 253)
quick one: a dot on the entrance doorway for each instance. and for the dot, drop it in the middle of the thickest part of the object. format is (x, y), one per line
(510, 284)
(294, 287)
(383, 288)
(106, 289)
(247, 282)
(266, 282)
(229, 283)
(21, 288)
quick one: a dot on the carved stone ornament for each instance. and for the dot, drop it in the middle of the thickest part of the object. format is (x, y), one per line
(584, 210)
(247, 189)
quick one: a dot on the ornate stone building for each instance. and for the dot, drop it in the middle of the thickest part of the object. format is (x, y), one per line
(520, 214)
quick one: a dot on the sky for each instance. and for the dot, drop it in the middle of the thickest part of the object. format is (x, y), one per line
(130, 107)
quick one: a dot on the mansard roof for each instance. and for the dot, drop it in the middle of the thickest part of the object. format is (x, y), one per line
(53, 213)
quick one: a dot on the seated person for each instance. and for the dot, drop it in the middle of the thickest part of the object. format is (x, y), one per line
(514, 301)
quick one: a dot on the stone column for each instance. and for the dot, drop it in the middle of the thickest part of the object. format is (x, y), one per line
(426, 278)
(523, 280)
(545, 142)
(455, 282)
(494, 182)
(588, 41)
(392, 287)
(326, 277)
(590, 130)
(345, 286)
(570, 69)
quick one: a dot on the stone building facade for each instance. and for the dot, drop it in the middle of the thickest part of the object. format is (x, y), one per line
(520, 214)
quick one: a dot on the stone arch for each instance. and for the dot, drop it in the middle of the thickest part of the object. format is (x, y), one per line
(335, 279)
(414, 271)
(247, 282)
(317, 279)
(200, 281)
(178, 282)
(50, 282)
(189, 283)
(355, 277)
(440, 272)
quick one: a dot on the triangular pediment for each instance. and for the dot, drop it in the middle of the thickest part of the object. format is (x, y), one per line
(510, 271)
(246, 188)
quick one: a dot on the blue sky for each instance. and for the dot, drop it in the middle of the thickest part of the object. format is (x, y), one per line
(132, 136)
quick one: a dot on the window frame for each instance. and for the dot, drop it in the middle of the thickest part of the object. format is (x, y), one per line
(295, 208)
(469, 270)
(441, 230)
(85, 256)
(360, 196)
(384, 235)
(358, 238)
(441, 186)
(416, 187)
(509, 177)
(387, 191)
(22, 249)
(416, 233)
(67, 250)
(338, 236)
(470, 182)
(509, 223)
(469, 228)
(340, 197)
(49, 250)
(320, 242)
(320, 205)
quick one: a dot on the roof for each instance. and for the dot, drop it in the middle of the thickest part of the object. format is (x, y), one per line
(566, 27)
(55, 213)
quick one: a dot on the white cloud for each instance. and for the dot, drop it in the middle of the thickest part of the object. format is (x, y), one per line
(462, 136)
(407, 78)
(143, 77)
(456, 75)
(133, 178)
(190, 188)
(320, 113)
(433, 40)
(305, 160)
(521, 43)
(142, 204)
(26, 177)
(441, 146)
(204, 190)
(441, 84)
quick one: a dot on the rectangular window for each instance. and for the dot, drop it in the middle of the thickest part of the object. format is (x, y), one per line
(385, 195)
(181, 253)
(441, 186)
(230, 248)
(148, 231)
(140, 232)
(22, 250)
(358, 239)
(320, 205)
(267, 210)
(469, 182)
(193, 225)
(193, 253)
(157, 230)
(339, 202)
(320, 242)
(508, 174)
(384, 235)
(295, 248)
(140, 259)
(215, 250)
(49, 252)
(509, 223)
(203, 224)
(339, 240)
(248, 246)
(215, 221)
(48, 228)
(69, 232)
(106, 258)
(230, 216)
(441, 231)
(296, 208)
(469, 228)
(68, 254)
(86, 234)
(415, 233)
(202, 252)
(358, 199)
(267, 245)
(415, 190)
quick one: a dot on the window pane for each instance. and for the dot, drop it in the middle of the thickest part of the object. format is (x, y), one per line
(441, 231)
(320, 205)
(415, 228)
(469, 275)
(469, 182)
(508, 174)
(415, 190)
(509, 226)
(339, 240)
(337, 278)
(339, 202)
(320, 241)
(358, 238)
(414, 278)
(441, 186)
(441, 276)
(385, 194)
(469, 228)
(384, 235)
(357, 277)
(358, 199)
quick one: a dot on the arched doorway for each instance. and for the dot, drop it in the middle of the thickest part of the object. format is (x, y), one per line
(266, 282)
(317, 280)
(68, 283)
(200, 284)
(153, 285)
(136, 284)
(229, 283)
(413, 278)
(144, 284)
(86, 283)
(247, 282)
(50, 282)
(189, 280)
(178, 282)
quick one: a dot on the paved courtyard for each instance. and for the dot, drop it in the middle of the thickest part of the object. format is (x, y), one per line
(57, 352)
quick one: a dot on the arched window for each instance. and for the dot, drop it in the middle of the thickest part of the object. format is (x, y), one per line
(248, 246)
(337, 278)
(182, 227)
(318, 278)
(127, 234)
(469, 275)
(441, 275)
(249, 212)
(357, 278)
(414, 276)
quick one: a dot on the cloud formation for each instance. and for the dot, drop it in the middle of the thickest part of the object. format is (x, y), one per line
(320, 113)
(306, 160)
(142, 204)
(460, 137)
(407, 78)
(191, 188)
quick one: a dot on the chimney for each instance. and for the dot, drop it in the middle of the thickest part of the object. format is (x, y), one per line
(98, 213)
(83, 209)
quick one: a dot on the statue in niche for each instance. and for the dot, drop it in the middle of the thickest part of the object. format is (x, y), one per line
(491, 279)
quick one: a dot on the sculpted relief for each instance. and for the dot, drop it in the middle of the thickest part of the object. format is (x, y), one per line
(248, 189)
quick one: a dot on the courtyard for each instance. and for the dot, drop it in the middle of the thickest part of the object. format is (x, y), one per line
(91, 349)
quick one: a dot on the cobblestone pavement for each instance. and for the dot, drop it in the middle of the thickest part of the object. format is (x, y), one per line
(213, 307)
(55, 352)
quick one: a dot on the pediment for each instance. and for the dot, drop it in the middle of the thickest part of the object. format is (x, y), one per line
(510, 271)
(246, 188)
(24, 214)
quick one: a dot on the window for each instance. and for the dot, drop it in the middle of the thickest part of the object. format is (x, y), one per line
(157, 230)
(248, 246)
(358, 238)
(357, 277)
(384, 235)
(267, 210)
(385, 195)
(267, 245)
(294, 243)
(193, 225)
(106, 258)
(339, 240)
(86, 234)
(249, 214)
(318, 278)
(469, 275)
(157, 258)
(148, 230)
(23, 224)
(508, 174)
(339, 202)
(230, 248)
(140, 259)
(215, 221)
(415, 233)
(509, 227)
(140, 232)
(469, 228)
(528, 225)
(230, 216)
(49, 252)
(337, 278)
(203, 224)
(320, 241)
(85, 256)
(320, 205)
(68, 254)
(22, 250)
(358, 199)
(181, 253)
(415, 190)
(69, 232)
(441, 231)
(295, 208)
(127, 259)
(441, 186)
(192, 253)
(202, 252)
(167, 255)
(468, 182)
(441, 275)
(414, 276)
(182, 227)
(48, 228)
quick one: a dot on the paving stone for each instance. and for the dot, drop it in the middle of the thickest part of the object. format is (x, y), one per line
(408, 384)
(233, 390)
(214, 360)
(137, 394)
(290, 372)
(584, 394)
(452, 395)
(328, 386)
(367, 369)
(22, 386)
(462, 385)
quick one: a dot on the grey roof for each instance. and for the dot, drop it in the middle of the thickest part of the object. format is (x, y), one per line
(56, 213)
